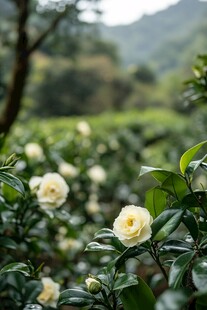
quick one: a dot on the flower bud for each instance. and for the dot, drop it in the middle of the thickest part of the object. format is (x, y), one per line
(94, 285)
(11, 161)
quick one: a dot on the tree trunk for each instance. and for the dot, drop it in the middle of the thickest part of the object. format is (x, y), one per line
(21, 65)
(20, 70)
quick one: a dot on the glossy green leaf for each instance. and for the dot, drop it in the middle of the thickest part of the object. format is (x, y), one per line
(138, 297)
(95, 246)
(175, 186)
(9, 193)
(166, 223)
(193, 166)
(159, 174)
(173, 299)
(129, 253)
(31, 290)
(178, 268)
(20, 267)
(125, 280)
(76, 298)
(8, 243)
(191, 223)
(188, 156)
(104, 233)
(12, 181)
(199, 274)
(201, 302)
(195, 200)
(176, 247)
(155, 201)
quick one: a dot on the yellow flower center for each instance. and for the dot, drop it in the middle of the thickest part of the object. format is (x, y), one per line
(130, 222)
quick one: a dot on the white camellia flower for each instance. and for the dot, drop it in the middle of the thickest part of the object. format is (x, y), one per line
(53, 191)
(50, 292)
(33, 151)
(67, 170)
(97, 174)
(83, 128)
(34, 183)
(133, 225)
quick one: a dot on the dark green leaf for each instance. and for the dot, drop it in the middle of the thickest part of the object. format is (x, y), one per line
(95, 246)
(193, 166)
(191, 223)
(178, 268)
(32, 289)
(75, 297)
(199, 274)
(138, 297)
(201, 302)
(176, 246)
(20, 267)
(195, 200)
(129, 253)
(155, 201)
(203, 226)
(173, 299)
(6, 242)
(125, 280)
(12, 181)
(166, 223)
(188, 156)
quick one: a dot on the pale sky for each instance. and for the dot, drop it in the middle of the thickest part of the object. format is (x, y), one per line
(116, 12)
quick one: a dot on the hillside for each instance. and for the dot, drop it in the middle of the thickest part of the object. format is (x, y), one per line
(168, 32)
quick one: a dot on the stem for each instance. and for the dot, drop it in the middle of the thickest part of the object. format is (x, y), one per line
(156, 258)
(106, 301)
(200, 204)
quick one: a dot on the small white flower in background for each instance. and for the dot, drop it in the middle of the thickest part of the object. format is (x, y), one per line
(70, 244)
(133, 225)
(50, 292)
(53, 191)
(92, 207)
(101, 148)
(34, 183)
(33, 151)
(97, 174)
(67, 170)
(83, 128)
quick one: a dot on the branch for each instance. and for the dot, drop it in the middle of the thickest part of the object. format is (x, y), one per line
(42, 37)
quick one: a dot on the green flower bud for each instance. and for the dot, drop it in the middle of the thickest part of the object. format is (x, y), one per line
(11, 161)
(94, 285)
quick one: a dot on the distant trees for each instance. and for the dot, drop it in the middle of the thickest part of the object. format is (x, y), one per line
(91, 85)
(28, 24)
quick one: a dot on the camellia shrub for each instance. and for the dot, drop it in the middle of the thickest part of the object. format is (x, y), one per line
(170, 229)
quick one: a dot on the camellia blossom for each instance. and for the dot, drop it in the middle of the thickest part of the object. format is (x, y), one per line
(53, 191)
(50, 292)
(67, 170)
(34, 151)
(133, 225)
(97, 174)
